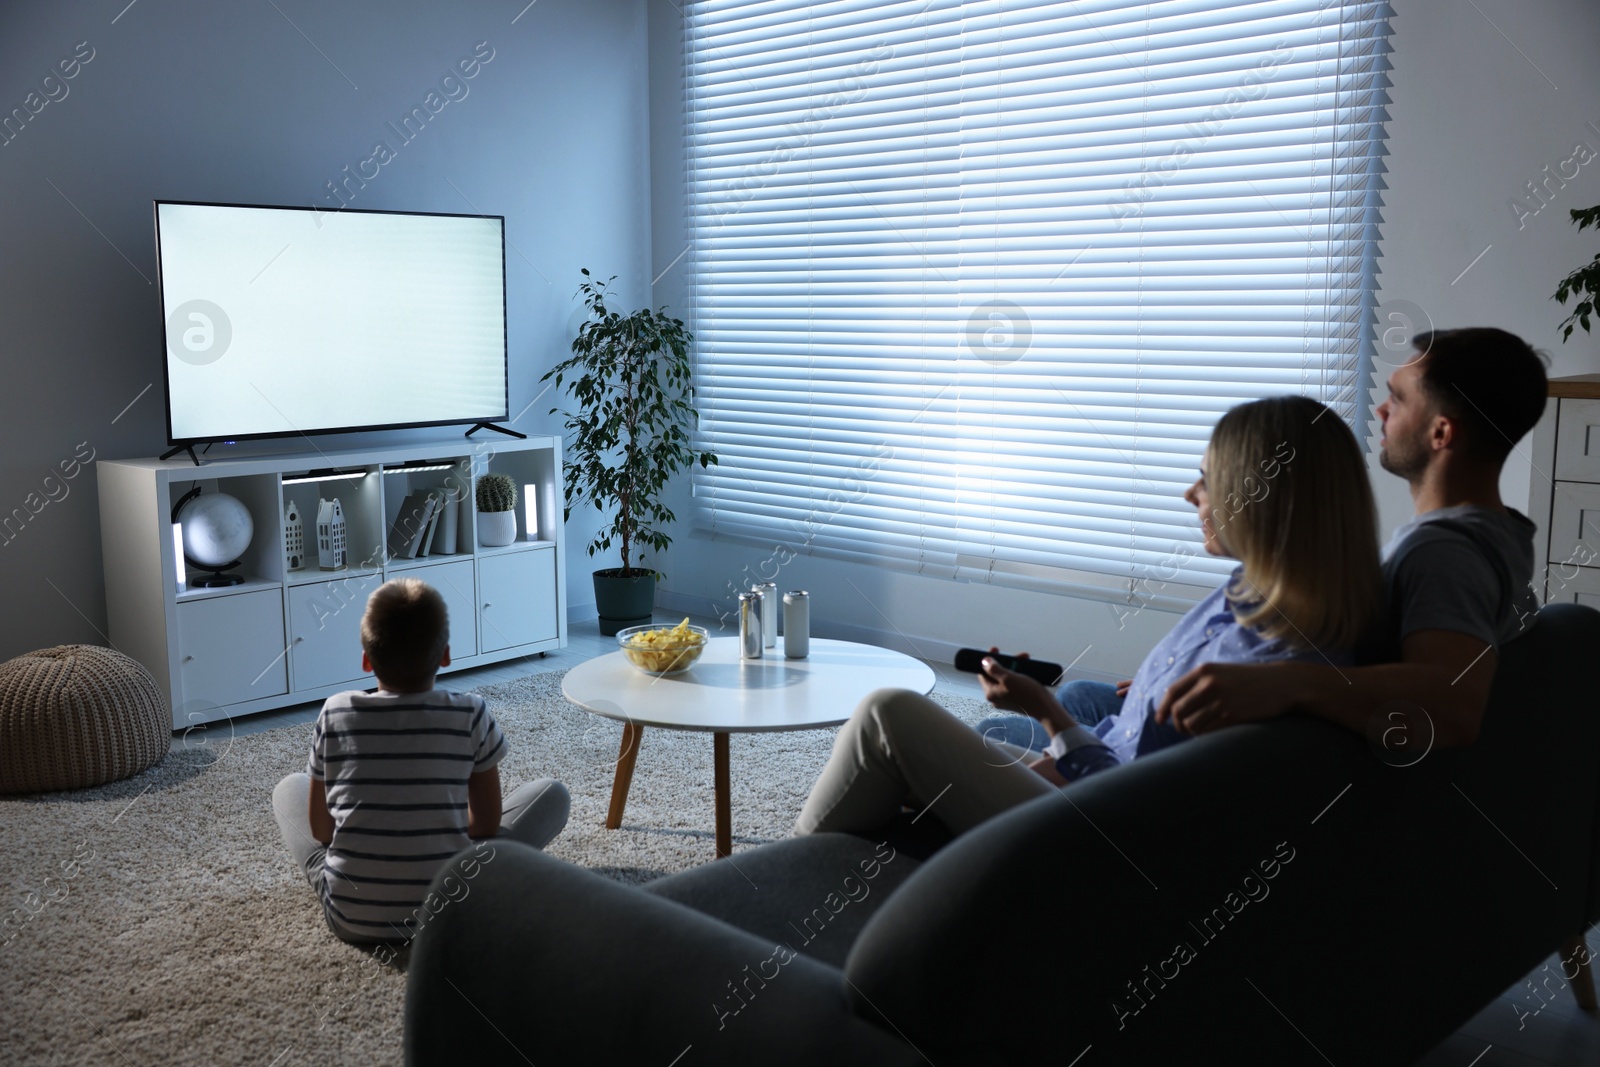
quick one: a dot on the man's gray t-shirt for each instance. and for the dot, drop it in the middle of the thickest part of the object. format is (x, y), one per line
(1466, 569)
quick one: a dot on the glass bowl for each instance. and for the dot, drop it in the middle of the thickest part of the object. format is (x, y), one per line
(667, 655)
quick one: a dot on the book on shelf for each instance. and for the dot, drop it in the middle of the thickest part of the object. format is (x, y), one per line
(432, 529)
(449, 522)
(410, 526)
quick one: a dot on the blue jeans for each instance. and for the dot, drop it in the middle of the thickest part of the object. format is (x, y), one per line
(1086, 701)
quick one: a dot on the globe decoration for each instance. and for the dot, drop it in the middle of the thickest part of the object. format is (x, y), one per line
(216, 530)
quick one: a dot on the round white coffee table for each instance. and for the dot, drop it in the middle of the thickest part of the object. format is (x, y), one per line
(723, 694)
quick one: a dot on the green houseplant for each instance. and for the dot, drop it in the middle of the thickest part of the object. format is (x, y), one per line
(1583, 284)
(629, 375)
(497, 519)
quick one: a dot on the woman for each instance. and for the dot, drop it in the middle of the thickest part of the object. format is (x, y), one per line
(1283, 489)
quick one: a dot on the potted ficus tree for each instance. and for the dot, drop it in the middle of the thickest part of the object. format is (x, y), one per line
(629, 376)
(1583, 284)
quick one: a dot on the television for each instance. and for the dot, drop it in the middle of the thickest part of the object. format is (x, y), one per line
(281, 321)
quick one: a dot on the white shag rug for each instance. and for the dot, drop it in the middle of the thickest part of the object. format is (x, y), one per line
(159, 920)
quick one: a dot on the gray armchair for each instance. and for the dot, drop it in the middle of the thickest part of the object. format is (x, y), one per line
(1272, 894)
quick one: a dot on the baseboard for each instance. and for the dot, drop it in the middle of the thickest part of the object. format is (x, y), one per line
(932, 649)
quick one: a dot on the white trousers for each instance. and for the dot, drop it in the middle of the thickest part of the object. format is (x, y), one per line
(900, 748)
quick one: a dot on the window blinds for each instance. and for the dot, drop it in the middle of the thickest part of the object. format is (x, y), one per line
(971, 282)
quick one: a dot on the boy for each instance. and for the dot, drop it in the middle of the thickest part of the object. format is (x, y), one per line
(400, 779)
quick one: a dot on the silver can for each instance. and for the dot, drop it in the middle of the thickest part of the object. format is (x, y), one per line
(750, 632)
(769, 612)
(796, 624)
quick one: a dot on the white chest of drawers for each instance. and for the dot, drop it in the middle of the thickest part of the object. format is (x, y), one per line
(1564, 494)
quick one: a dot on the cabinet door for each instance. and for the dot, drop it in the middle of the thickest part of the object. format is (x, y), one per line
(325, 632)
(1578, 441)
(1574, 585)
(230, 649)
(516, 598)
(454, 582)
(1574, 526)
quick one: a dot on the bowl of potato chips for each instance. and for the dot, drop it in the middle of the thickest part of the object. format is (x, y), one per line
(663, 649)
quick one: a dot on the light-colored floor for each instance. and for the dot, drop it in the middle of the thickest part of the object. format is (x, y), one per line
(1535, 1022)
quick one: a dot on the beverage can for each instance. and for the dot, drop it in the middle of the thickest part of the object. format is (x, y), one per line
(769, 612)
(750, 631)
(796, 624)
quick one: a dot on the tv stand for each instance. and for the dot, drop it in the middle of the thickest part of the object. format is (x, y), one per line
(282, 635)
(497, 429)
(188, 447)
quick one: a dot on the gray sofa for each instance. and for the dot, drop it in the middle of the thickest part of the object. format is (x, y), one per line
(1280, 893)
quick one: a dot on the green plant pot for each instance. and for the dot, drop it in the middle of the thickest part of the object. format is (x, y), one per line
(623, 602)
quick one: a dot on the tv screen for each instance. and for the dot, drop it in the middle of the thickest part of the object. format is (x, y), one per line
(283, 320)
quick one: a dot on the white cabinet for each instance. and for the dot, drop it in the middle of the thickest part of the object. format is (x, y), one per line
(325, 633)
(1564, 495)
(516, 594)
(1575, 523)
(283, 636)
(1577, 439)
(456, 583)
(230, 650)
(1574, 585)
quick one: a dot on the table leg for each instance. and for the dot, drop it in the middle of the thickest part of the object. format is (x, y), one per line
(719, 759)
(632, 735)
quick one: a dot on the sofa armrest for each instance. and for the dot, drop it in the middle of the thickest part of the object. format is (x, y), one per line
(1571, 635)
(1077, 905)
(536, 960)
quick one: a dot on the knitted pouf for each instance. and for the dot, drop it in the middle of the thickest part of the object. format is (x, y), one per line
(75, 716)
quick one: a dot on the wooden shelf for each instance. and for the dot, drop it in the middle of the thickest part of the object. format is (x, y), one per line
(1576, 387)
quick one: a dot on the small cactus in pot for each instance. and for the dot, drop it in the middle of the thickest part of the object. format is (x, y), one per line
(497, 520)
(496, 492)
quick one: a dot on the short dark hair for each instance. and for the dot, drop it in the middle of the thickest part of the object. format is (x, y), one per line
(1491, 382)
(404, 632)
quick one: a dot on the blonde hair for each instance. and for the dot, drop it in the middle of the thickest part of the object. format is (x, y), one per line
(404, 632)
(1291, 500)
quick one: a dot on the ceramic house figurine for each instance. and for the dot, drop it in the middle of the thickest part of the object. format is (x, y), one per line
(294, 537)
(330, 535)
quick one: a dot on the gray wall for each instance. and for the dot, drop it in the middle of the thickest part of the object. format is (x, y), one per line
(1473, 119)
(187, 99)
(563, 134)
(1478, 114)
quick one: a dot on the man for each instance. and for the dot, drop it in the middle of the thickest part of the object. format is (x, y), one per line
(1458, 575)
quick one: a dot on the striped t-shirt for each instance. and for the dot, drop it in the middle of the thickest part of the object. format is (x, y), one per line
(396, 767)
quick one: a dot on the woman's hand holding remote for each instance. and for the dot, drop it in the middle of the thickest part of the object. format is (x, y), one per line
(1011, 691)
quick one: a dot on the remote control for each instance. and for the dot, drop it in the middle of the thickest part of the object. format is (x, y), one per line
(971, 661)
